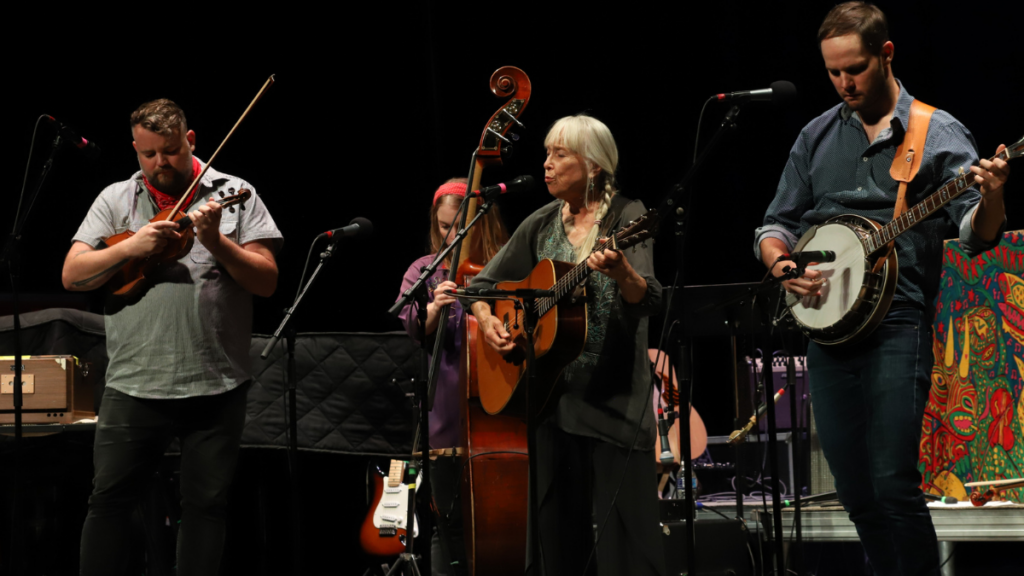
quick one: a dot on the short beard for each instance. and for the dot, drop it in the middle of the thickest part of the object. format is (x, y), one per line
(177, 185)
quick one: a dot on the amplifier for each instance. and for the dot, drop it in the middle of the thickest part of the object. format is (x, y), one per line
(55, 390)
(822, 480)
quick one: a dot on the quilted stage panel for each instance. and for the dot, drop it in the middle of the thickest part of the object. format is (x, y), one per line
(347, 400)
(346, 397)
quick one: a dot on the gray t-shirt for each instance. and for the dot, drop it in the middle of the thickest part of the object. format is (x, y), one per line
(188, 334)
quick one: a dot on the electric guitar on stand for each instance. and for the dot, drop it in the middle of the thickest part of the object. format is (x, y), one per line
(384, 530)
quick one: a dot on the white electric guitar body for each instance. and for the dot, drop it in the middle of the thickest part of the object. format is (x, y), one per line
(384, 531)
(860, 283)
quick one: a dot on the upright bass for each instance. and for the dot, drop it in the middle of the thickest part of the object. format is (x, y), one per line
(495, 465)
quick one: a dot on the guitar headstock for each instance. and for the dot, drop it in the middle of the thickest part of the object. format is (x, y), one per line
(638, 230)
(1015, 150)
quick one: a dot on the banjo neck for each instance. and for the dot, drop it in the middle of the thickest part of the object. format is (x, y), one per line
(955, 187)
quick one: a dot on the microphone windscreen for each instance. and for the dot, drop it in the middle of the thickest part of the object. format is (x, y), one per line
(365, 226)
(783, 92)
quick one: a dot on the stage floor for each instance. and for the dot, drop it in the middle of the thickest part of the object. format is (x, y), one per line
(961, 522)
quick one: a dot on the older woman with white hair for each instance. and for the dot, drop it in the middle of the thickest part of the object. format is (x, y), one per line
(591, 439)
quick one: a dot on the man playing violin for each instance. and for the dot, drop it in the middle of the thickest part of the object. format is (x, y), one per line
(179, 349)
(869, 397)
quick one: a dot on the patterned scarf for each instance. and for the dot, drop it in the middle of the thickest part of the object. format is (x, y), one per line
(165, 201)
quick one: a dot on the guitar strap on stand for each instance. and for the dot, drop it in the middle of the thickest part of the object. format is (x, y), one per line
(907, 161)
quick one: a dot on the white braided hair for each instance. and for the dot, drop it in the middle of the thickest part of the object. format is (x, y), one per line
(591, 139)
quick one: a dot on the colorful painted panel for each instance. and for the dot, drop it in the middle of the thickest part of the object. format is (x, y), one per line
(975, 414)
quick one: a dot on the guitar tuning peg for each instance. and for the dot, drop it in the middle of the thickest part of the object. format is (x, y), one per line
(634, 248)
(231, 209)
(514, 137)
(243, 207)
(221, 193)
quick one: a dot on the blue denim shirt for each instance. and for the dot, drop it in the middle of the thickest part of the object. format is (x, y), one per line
(834, 170)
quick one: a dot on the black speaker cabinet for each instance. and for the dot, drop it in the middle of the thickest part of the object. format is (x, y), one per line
(721, 548)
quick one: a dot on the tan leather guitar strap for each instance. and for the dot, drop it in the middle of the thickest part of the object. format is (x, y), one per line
(907, 161)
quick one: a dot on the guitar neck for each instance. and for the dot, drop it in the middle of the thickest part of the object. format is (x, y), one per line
(568, 282)
(955, 187)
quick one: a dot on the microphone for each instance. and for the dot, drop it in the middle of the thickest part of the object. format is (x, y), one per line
(805, 258)
(471, 292)
(779, 93)
(664, 424)
(359, 226)
(71, 137)
(520, 184)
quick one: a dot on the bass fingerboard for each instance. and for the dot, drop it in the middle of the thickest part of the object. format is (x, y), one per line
(955, 187)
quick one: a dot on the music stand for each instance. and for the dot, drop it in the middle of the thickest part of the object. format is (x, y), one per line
(743, 308)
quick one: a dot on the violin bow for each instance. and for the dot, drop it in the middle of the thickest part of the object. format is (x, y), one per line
(209, 162)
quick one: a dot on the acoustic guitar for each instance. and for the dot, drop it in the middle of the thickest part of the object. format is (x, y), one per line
(559, 335)
(857, 294)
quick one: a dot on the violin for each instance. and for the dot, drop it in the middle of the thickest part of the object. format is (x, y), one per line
(129, 279)
(995, 489)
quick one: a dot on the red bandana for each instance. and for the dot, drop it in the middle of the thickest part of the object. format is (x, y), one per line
(165, 201)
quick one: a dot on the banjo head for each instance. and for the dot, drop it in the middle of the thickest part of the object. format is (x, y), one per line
(851, 293)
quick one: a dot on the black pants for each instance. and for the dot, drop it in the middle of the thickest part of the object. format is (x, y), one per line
(131, 437)
(577, 478)
(445, 486)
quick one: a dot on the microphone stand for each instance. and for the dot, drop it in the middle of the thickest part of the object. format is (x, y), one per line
(293, 428)
(767, 386)
(12, 257)
(425, 384)
(672, 204)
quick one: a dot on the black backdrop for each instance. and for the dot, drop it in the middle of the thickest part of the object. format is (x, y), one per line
(377, 104)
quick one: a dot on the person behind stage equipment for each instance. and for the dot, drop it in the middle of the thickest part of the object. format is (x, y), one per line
(585, 446)
(444, 417)
(179, 352)
(869, 397)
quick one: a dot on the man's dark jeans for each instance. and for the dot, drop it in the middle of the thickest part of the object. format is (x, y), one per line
(131, 437)
(868, 402)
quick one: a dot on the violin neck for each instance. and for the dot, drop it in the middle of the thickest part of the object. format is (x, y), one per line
(242, 196)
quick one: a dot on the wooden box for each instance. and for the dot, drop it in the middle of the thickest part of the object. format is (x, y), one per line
(55, 389)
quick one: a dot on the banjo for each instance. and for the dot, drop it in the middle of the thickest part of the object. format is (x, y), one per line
(860, 283)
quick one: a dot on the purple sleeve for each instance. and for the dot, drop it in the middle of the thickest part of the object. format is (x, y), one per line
(409, 314)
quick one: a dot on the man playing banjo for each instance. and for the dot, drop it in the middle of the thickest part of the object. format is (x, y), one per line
(869, 395)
